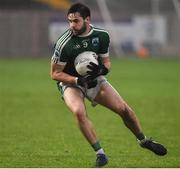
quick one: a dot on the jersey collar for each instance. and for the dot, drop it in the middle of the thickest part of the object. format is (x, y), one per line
(89, 33)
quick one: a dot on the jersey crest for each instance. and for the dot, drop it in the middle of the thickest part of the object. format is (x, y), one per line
(95, 41)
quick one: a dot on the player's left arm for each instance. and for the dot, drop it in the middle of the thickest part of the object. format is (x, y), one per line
(104, 50)
(104, 67)
(106, 62)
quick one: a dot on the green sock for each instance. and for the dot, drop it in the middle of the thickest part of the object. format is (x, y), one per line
(140, 136)
(96, 146)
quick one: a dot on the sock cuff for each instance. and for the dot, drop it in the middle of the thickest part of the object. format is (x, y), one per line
(96, 146)
(100, 151)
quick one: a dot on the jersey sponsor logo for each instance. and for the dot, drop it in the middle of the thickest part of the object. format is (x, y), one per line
(95, 41)
(77, 46)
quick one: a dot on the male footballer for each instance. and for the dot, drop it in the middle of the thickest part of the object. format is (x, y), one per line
(80, 37)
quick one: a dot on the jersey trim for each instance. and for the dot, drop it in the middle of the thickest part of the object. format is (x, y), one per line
(100, 30)
(60, 45)
(62, 40)
(92, 30)
(89, 33)
(104, 55)
(61, 63)
(64, 43)
(55, 60)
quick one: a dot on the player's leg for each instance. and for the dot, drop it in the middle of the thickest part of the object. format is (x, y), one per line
(75, 101)
(111, 99)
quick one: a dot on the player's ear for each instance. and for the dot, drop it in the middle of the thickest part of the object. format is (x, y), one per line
(87, 19)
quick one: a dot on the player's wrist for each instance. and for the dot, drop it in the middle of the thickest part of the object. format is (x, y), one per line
(104, 70)
(76, 80)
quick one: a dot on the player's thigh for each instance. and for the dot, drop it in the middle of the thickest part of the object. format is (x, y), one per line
(110, 98)
(74, 99)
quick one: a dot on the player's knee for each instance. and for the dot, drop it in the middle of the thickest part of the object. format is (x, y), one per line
(79, 114)
(81, 117)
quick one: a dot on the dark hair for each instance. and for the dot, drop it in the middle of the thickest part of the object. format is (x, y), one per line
(80, 8)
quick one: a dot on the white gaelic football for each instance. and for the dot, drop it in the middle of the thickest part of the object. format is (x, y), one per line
(83, 59)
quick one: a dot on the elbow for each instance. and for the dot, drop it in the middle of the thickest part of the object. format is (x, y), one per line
(53, 76)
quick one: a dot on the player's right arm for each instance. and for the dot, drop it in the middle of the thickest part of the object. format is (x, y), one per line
(58, 74)
(59, 60)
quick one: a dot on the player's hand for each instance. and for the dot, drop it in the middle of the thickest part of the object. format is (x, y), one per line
(87, 82)
(97, 70)
(81, 81)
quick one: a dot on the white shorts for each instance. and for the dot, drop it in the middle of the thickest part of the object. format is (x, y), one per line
(90, 94)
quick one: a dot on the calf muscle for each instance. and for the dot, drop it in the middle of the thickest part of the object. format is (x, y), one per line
(110, 98)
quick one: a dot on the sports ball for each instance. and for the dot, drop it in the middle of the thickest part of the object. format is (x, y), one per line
(83, 59)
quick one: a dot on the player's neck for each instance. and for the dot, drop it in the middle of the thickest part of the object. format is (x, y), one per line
(87, 32)
(88, 29)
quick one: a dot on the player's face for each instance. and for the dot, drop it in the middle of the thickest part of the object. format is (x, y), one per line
(77, 23)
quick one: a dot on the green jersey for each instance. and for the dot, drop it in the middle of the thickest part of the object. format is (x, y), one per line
(69, 46)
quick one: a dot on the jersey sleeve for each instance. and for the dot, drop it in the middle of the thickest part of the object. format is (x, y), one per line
(104, 44)
(60, 52)
(59, 56)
